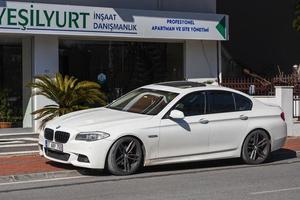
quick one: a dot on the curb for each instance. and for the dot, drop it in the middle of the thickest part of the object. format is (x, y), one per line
(86, 172)
(38, 176)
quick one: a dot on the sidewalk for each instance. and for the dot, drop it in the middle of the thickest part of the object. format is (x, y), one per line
(28, 164)
(293, 143)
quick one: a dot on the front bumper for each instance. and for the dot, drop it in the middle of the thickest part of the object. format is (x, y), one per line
(95, 152)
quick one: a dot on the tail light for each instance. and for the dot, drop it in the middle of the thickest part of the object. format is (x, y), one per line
(282, 116)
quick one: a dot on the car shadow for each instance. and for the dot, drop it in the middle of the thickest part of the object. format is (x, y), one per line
(80, 170)
(183, 124)
(62, 166)
(279, 155)
(194, 165)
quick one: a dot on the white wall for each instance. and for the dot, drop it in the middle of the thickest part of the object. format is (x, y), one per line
(284, 96)
(45, 61)
(201, 60)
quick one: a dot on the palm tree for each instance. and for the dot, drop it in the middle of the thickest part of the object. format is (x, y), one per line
(68, 93)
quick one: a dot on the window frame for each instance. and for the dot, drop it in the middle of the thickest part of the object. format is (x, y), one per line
(206, 111)
(234, 101)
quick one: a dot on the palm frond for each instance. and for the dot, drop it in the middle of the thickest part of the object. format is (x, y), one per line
(296, 21)
(69, 95)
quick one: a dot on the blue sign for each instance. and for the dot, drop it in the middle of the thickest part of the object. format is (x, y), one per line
(101, 78)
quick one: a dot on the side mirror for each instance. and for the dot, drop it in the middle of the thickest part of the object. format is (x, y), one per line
(176, 114)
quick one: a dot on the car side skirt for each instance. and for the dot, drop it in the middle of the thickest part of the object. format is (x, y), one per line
(231, 153)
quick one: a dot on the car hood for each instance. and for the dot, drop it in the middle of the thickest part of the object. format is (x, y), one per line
(98, 118)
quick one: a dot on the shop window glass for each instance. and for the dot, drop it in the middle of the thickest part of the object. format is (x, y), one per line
(120, 67)
(11, 86)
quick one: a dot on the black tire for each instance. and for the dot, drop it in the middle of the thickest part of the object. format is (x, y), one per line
(256, 147)
(125, 156)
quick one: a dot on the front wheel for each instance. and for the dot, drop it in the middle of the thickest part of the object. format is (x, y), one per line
(125, 156)
(256, 147)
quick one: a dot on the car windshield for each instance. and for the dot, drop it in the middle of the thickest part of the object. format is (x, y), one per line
(143, 101)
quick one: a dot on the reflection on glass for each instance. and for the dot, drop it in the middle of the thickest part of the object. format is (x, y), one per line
(143, 101)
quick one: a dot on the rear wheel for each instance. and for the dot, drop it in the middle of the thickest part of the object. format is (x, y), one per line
(125, 156)
(256, 147)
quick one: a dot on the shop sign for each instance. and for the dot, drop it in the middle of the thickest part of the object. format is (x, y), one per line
(37, 18)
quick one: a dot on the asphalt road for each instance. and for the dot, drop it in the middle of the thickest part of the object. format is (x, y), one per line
(265, 182)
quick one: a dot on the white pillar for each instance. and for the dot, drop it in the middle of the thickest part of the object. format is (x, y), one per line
(284, 97)
(201, 60)
(45, 61)
(26, 75)
(45, 55)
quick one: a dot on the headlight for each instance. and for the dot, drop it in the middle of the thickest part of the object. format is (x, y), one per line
(91, 136)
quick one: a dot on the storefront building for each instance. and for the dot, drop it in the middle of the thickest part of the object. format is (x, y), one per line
(120, 44)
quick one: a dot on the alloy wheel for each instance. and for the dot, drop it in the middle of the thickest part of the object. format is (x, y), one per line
(256, 148)
(125, 156)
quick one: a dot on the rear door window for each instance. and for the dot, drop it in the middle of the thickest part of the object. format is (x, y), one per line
(220, 101)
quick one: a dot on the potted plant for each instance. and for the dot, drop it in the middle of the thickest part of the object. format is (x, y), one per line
(67, 93)
(5, 110)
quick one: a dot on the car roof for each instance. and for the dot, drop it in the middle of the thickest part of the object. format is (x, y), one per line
(188, 86)
(182, 84)
(178, 86)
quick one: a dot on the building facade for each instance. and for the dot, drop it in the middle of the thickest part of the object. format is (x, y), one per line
(120, 44)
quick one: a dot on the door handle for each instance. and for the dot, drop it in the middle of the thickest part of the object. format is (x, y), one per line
(243, 117)
(203, 121)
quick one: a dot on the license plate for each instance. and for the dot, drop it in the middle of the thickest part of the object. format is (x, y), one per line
(54, 145)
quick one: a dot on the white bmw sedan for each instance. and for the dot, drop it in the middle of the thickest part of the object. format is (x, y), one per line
(165, 123)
